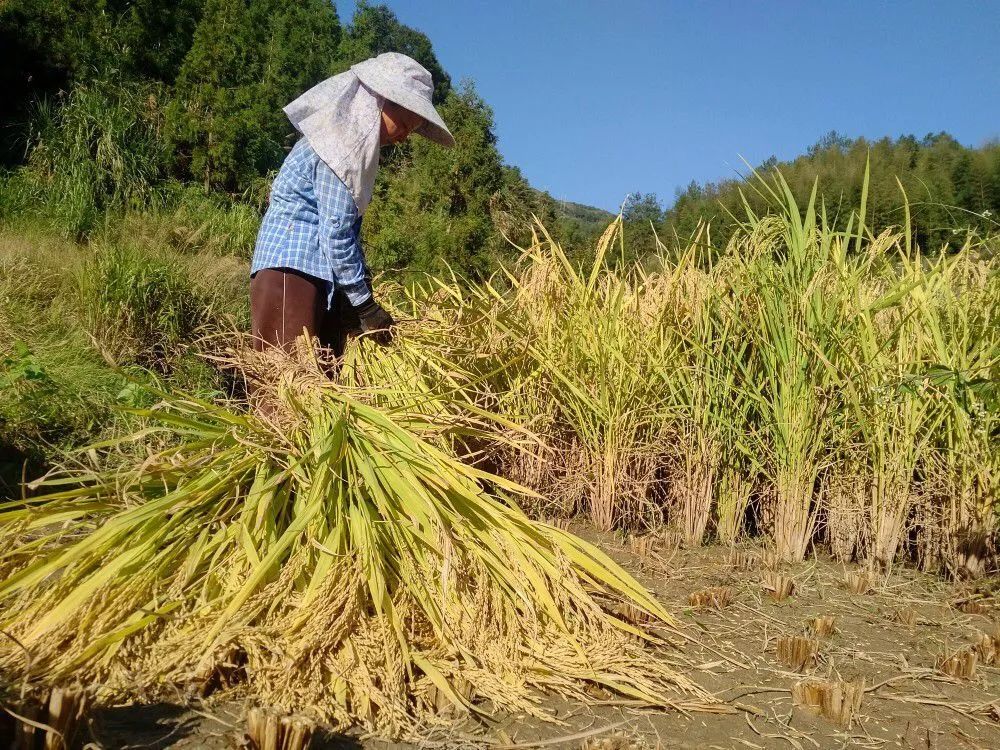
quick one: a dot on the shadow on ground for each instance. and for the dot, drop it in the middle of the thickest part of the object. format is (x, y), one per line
(159, 726)
(331, 741)
(155, 726)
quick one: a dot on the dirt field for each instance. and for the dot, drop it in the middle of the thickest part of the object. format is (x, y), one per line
(891, 638)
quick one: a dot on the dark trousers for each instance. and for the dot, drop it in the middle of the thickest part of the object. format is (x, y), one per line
(285, 302)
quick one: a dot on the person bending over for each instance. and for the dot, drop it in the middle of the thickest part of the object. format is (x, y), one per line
(309, 273)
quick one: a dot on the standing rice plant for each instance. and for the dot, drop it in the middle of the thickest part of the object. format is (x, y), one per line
(887, 414)
(958, 313)
(733, 494)
(707, 408)
(600, 361)
(893, 413)
(798, 371)
(810, 299)
(785, 303)
(570, 351)
(843, 501)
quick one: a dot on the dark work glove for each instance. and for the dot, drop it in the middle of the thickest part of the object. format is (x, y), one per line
(375, 320)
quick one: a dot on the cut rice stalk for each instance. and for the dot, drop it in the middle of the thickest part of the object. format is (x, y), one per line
(339, 553)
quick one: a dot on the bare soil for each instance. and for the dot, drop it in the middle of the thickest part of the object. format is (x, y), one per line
(891, 638)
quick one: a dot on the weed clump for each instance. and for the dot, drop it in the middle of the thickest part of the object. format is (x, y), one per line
(137, 305)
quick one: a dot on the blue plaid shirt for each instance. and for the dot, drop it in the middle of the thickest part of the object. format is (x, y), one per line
(312, 225)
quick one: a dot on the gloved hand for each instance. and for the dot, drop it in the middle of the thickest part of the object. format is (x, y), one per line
(376, 320)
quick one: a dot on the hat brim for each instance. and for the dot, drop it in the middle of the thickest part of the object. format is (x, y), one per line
(433, 127)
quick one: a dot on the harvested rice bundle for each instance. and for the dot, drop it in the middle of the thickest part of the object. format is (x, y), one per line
(337, 552)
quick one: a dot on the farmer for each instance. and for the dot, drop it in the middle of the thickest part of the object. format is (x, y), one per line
(309, 271)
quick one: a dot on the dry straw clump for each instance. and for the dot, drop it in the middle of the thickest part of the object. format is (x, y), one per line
(717, 597)
(838, 701)
(642, 546)
(823, 625)
(52, 719)
(974, 606)
(859, 582)
(270, 730)
(797, 653)
(332, 546)
(961, 664)
(778, 586)
(988, 648)
(742, 561)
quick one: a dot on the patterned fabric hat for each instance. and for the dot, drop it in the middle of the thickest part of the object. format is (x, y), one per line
(404, 81)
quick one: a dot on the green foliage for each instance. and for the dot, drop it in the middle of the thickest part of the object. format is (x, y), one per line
(189, 220)
(65, 307)
(432, 206)
(94, 151)
(138, 306)
(51, 45)
(578, 226)
(155, 36)
(514, 207)
(949, 187)
(375, 29)
(173, 126)
(55, 391)
(640, 214)
(248, 59)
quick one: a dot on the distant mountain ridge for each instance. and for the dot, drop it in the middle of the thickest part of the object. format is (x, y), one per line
(587, 220)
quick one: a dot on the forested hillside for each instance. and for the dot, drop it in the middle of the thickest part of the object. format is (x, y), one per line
(949, 187)
(129, 105)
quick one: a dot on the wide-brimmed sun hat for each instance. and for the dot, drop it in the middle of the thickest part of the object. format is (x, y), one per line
(404, 81)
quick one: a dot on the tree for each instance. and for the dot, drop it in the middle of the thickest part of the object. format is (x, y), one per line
(52, 46)
(947, 185)
(641, 212)
(832, 141)
(376, 29)
(247, 60)
(432, 205)
(514, 208)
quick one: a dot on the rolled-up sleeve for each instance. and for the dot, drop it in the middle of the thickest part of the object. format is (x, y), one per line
(339, 234)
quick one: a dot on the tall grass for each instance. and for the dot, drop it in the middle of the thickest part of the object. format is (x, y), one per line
(137, 304)
(94, 152)
(54, 387)
(186, 219)
(66, 309)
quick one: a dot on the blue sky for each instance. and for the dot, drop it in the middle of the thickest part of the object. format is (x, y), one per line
(595, 99)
